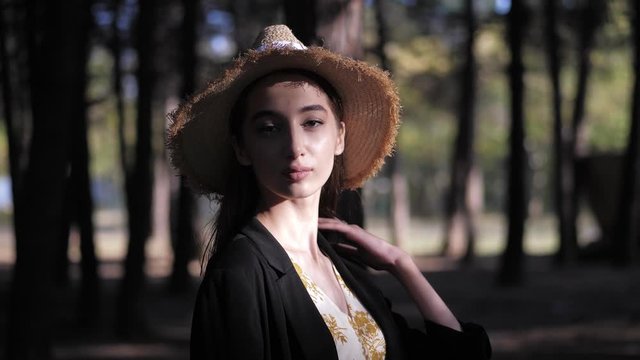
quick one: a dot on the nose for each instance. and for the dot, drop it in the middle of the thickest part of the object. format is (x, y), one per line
(295, 146)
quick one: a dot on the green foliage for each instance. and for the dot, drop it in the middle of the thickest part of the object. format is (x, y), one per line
(422, 55)
(425, 65)
(609, 104)
(103, 135)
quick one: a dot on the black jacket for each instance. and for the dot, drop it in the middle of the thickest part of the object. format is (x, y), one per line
(252, 305)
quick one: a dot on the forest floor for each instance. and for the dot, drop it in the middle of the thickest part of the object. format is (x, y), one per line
(583, 311)
(579, 312)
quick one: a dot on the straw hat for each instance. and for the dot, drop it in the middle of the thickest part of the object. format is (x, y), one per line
(198, 136)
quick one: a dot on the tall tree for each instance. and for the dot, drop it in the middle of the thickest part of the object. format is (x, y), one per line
(15, 92)
(459, 212)
(339, 25)
(7, 105)
(79, 179)
(250, 18)
(590, 16)
(399, 212)
(511, 271)
(115, 45)
(138, 180)
(563, 181)
(336, 24)
(52, 65)
(184, 235)
(625, 246)
(301, 16)
(78, 205)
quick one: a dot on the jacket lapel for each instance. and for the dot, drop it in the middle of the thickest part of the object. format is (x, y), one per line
(304, 320)
(371, 298)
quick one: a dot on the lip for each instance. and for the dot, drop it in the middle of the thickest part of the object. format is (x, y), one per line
(297, 173)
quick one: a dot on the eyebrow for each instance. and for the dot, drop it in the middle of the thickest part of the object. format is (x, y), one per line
(315, 107)
(264, 113)
(271, 113)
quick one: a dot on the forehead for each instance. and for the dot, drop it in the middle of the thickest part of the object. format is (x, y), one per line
(285, 80)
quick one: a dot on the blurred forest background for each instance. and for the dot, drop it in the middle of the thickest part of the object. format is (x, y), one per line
(515, 183)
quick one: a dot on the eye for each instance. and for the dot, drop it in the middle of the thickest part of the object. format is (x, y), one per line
(267, 128)
(312, 123)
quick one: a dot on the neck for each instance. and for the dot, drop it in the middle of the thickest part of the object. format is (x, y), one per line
(294, 223)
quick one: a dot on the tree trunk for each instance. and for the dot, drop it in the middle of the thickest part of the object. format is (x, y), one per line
(399, 214)
(400, 210)
(244, 13)
(52, 43)
(563, 181)
(577, 145)
(184, 236)
(625, 245)
(117, 86)
(301, 17)
(80, 180)
(130, 317)
(61, 257)
(511, 271)
(339, 25)
(589, 23)
(458, 210)
(7, 106)
(78, 204)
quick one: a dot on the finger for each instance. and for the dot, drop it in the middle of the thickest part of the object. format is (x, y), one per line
(331, 220)
(347, 249)
(333, 224)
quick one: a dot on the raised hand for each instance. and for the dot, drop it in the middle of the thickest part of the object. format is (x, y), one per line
(367, 247)
(381, 255)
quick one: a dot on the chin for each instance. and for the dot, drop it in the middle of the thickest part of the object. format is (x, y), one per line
(279, 188)
(296, 191)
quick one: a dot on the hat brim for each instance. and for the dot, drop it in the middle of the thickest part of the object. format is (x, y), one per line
(198, 135)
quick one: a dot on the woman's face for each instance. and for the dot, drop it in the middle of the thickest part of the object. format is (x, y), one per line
(290, 136)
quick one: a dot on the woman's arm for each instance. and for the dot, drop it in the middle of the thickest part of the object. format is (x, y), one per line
(423, 294)
(381, 255)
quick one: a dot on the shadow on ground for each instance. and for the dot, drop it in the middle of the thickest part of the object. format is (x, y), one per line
(578, 312)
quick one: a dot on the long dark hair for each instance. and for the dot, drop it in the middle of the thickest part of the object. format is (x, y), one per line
(240, 199)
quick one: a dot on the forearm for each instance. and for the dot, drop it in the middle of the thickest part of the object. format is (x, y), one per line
(431, 306)
(381, 255)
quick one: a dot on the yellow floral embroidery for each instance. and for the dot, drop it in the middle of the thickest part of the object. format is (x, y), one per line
(312, 288)
(336, 331)
(349, 330)
(373, 346)
(344, 286)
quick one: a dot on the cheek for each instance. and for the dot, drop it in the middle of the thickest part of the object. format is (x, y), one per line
(323, 145)
(259, 154)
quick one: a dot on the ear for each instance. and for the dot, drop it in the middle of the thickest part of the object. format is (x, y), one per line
(241, 154)
(340, 143)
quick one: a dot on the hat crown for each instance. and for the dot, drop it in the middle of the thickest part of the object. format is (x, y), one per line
(277, 36)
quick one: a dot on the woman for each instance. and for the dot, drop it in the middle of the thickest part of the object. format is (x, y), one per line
(276, 138)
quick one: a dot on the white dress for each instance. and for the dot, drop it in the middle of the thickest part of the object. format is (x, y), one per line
(355, 333)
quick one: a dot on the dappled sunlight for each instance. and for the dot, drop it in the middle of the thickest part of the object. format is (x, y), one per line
(425, 236)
